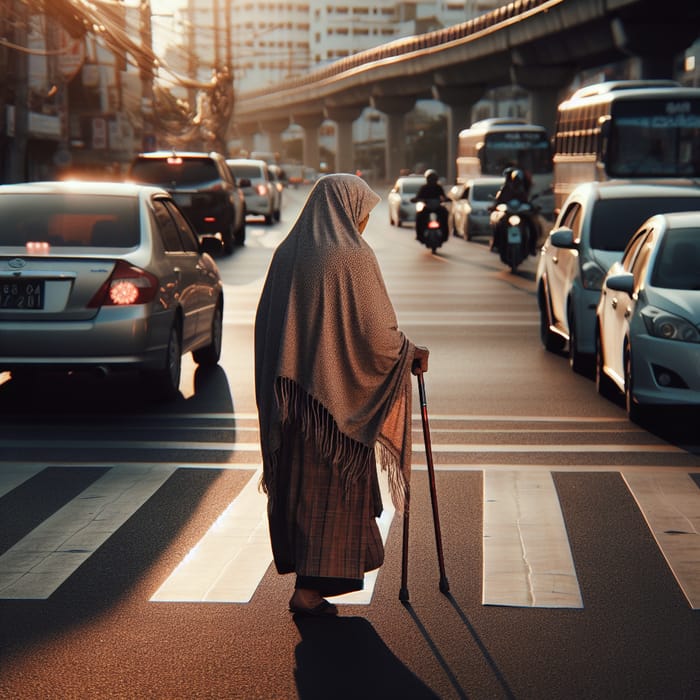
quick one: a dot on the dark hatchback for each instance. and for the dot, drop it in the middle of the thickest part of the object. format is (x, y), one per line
(202, 186)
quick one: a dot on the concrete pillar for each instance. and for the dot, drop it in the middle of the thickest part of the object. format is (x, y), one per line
(345, 151)
(246, 135)
(459, 100)
(311, 123)
(395, 109)
(274, 128)
(544, 83)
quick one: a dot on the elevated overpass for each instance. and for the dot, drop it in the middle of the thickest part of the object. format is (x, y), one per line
(539, 45)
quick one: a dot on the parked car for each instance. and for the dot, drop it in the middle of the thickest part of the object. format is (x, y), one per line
(401, 209)
(590, 234)
(202, 186)
(470, 206)
(262, 198)
(105, 276)
(648, 317)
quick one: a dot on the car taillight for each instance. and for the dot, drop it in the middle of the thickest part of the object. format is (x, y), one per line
(127, 285)
(262, 190)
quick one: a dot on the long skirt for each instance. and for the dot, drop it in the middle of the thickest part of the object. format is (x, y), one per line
(326, 534)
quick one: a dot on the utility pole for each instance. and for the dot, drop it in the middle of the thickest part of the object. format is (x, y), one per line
(148, 138)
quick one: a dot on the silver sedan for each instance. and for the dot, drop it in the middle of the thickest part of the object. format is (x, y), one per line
(105, 276)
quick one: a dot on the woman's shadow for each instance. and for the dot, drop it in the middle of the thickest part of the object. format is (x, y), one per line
(345, 658)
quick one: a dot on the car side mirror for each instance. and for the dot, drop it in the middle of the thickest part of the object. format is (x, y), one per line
(622, 282)
(212, 244)
(563, 238)
(244, 182)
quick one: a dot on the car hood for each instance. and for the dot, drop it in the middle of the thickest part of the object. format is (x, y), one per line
(682, 302)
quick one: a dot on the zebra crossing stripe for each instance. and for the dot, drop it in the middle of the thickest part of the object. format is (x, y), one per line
(40, 562)
(527, 560)
(670, 503)
(227, 564)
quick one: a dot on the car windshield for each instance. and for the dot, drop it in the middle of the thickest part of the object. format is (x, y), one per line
(174, 171)
(411, 186)
(483, 193)
(245, 171)
(677, 264)
(42, 221)
(615, 220)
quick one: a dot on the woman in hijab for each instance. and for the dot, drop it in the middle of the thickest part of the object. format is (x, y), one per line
(333, 388)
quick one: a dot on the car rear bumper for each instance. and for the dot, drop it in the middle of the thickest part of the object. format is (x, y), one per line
(115, 338)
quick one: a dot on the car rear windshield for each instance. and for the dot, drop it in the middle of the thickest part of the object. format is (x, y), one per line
(482, 193)
(174, 171)
(615, 220)
(245, 171)
(39, 222)
(411, 186)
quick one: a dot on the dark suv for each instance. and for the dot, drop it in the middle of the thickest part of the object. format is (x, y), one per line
(203, 187)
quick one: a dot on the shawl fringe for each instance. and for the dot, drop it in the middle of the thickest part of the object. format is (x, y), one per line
(353, 458)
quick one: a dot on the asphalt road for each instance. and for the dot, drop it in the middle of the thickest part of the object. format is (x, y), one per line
(133, 555)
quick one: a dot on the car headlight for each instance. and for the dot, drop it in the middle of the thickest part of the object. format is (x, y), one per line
(592, 275)
(663, 324)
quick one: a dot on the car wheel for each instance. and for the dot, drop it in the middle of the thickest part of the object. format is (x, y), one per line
(239, 238)
(603, 384)
(268, 219)
(635, 412)
(209, 355)
(165, 382)
(552, 342)
(578, 361)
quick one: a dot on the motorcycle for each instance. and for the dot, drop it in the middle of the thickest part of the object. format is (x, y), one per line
(513, 226)
(433, 234)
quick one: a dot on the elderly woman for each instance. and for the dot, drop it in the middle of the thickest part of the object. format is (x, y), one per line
(333, 382)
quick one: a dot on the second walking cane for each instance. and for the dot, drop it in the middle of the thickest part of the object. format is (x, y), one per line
(444, 585)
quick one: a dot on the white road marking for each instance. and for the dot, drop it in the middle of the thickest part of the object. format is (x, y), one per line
(527, 559)
(670, 503)
(13, 474)
(228, 563)
(40, 562)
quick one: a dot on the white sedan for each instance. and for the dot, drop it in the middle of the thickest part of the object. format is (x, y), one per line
(648, 317)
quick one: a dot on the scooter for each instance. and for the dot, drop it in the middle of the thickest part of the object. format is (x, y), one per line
(433, 234)
(512, 223)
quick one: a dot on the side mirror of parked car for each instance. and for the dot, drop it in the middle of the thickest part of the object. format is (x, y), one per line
(211, 244)
(563, 238)
(622, 282)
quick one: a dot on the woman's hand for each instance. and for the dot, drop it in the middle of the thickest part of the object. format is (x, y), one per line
(420, 360)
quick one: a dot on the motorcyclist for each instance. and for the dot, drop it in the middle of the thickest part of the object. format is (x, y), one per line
(516, 185)
(431, 190)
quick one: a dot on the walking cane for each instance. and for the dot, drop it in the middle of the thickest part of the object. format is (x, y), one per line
(444, 585)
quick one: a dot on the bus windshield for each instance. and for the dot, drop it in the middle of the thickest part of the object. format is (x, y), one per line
(529, 150)
(655, 138)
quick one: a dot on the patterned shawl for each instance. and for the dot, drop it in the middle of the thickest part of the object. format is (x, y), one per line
(328, 351)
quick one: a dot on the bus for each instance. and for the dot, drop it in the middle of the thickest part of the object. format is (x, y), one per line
(627, 130)
(489, 146)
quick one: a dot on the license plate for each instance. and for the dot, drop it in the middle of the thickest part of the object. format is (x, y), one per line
(514, 235)
(22, 294)
(183, 200)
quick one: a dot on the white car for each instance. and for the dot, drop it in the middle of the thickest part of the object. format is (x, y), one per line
(401, 209)
(648, 317)
(470, 206)
(590, 234)
(262, 197)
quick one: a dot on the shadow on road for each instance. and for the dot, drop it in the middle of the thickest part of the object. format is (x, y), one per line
(344, 658)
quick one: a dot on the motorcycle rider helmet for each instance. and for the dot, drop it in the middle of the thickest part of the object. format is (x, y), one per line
(431, 176)
(517, 176)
